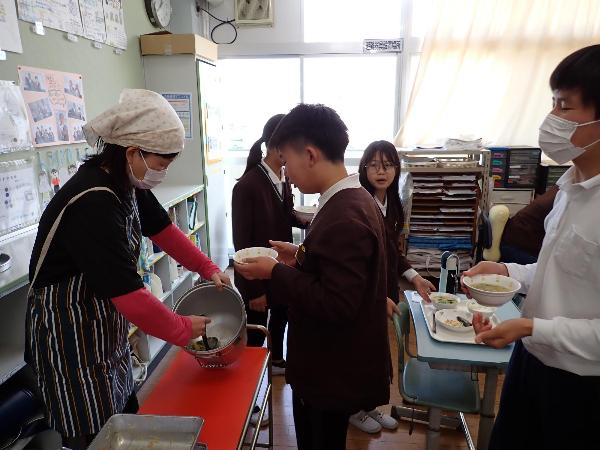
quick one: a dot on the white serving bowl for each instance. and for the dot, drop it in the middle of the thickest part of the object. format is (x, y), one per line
(253, 252)
(489, 298)
(485, 311)
(448, 314)
(305, 213)
(435, 298)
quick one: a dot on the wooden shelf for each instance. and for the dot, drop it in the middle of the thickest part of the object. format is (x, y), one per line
(197, 228)
(446, 170)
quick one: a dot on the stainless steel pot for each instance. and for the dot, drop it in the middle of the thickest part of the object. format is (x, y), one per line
(226, 311)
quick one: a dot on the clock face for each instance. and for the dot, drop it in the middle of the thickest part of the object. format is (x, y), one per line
(161, 12)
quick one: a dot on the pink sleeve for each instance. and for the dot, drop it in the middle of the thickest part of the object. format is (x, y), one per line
(178, 245)
(147, 312)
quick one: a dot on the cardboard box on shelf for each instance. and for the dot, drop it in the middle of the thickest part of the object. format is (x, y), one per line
(165, 43)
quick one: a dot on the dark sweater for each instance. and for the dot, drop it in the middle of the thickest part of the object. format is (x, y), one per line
(525, 230)
(258, 215)
(338, 352)
(397, 263)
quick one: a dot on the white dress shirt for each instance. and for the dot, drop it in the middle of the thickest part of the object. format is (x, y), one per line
(277, 180)
(563, 287)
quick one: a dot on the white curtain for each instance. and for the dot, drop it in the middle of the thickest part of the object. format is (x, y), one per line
(485, 68)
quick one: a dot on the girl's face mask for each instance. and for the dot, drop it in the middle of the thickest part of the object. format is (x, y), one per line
(152, 177)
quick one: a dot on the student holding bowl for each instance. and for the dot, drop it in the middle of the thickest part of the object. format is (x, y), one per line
(556, 360)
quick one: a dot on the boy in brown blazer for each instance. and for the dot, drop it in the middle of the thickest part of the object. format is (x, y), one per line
(334, 284)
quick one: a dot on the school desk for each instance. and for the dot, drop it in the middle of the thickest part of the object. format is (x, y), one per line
(473, 358)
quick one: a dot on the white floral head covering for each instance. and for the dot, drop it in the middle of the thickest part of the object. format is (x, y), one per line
(141, 119)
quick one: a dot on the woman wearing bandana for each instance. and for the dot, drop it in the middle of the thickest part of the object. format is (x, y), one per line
(85, 288)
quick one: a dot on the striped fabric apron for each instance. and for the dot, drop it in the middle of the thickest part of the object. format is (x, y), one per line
(76, 342)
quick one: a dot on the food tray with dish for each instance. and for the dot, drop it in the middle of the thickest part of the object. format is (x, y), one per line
(466, 335)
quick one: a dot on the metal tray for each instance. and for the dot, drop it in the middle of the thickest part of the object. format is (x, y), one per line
(140, 432)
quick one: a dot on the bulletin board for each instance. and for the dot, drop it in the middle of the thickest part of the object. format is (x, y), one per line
(55, 105)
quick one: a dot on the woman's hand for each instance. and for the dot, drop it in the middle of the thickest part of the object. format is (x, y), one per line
(199, 325)
(424, 287)
(286, 252)
(259, 268)
(483, 268)
(258, 304)
(220, 278)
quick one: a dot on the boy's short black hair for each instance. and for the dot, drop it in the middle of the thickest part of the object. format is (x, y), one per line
(316, 125)
(580, 70)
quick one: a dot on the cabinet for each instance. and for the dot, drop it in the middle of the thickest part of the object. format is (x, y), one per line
(513, 199)
(448, 193)
(514, 167)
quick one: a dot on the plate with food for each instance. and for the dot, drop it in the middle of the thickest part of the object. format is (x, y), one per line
(455, 321)
(443, 300)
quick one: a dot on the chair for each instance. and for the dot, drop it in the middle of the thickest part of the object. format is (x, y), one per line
(437, 390)
(491, 229)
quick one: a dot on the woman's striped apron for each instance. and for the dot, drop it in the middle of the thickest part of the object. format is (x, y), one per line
(76, 342)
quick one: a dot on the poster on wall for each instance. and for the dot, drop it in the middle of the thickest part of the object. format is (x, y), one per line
(10, 39)
(92, 16)
(55, 105)
(14, 126)
(20, 206)
(115, 24)
(182, 104)
(61, 15)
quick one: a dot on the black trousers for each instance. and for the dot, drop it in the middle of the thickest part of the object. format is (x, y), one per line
(82, 442)
(277, 323)
(545, 408)
(317, 429)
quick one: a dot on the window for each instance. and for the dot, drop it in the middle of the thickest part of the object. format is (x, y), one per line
(252, 90)
(351, 20)
(360, 88)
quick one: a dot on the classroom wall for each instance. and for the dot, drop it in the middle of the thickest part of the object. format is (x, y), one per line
(105, 74)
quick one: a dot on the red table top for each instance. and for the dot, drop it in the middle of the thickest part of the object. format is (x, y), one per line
(222, 397)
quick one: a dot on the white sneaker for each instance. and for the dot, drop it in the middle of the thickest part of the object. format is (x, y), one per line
(387, 422)
(256, 414)
(364, 422)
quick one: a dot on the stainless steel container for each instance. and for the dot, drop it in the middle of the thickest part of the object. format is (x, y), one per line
(226, 311)
(131, 431)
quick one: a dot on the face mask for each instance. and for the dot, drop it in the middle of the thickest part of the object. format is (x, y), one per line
(555, 138)
(152, 177)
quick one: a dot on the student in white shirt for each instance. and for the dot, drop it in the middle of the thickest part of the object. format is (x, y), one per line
(551, 394)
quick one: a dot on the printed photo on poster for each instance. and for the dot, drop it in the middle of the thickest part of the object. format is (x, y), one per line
(73, 87)
(40, 109)
(32, 81)
(55, 104)
(44, 134)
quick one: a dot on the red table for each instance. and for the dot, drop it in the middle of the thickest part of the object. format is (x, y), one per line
(223, 397)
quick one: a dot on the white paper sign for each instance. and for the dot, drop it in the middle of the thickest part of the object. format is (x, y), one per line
(61, 15)
(92, 15)
(20, 205)
(10, 39)
(182, 104)
(115, 24)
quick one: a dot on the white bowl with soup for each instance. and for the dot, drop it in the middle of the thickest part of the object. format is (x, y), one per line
(442, 300)
(242, 255)
(492, 290)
